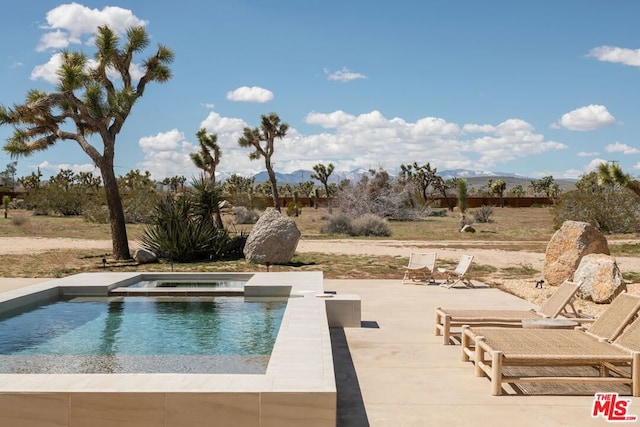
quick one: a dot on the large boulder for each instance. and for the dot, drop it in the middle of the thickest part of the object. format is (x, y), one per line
(566, 248)
(601, 278)
(144, 256)
(273, 239)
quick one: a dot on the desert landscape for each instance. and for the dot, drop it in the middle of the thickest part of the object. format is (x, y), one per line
(496, 247)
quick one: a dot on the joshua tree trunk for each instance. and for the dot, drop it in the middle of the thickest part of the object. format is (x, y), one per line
(274, 185)
(116, 213)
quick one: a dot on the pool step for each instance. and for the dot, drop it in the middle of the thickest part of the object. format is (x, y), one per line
(157, 292)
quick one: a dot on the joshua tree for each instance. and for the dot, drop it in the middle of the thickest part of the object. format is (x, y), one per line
(461, 186)
(322, 174)
(542, 185)
(207, 159)
(88, 102)
(498, 187)
(270, 129)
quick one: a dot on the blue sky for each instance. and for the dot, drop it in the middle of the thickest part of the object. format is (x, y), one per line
(533, 88)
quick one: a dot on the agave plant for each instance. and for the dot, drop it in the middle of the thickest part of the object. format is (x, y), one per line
(176, 234)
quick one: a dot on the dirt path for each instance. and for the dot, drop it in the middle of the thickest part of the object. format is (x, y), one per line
(495, 256)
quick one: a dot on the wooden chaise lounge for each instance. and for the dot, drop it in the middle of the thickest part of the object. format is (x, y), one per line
(560, 303)
(607, 346)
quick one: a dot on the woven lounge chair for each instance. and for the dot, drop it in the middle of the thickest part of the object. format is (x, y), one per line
(459, 274)
(558, 304)
(557, 349)
(420, 268)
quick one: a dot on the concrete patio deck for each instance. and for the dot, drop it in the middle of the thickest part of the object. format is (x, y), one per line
(395, 372)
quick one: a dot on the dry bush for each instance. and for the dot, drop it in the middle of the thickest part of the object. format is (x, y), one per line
(19, 220)
(370, 225)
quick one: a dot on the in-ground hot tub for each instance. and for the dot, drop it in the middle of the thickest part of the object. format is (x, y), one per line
(298, 386)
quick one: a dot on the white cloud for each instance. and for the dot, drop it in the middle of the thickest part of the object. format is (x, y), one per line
(166, 154)
(208, 105)
(162, 141)
(71, 22)
(331, 120)
(512, 139)
(434, 126)
(344, 75)
(475, 128)
(47, 72)
(617, 55)
(587, 118)
(52, 169)
(250, 94)
(214, 123)
(618, 147)
(593, 165)
(588, 153)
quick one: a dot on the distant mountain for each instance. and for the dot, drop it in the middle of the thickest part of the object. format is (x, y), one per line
(475, 178)
(301, 175)
(466, 173)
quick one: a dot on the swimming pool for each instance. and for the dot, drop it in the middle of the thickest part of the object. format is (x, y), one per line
(298, 385)
(142, 335)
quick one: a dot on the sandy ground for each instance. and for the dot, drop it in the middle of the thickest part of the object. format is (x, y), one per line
(494, 256)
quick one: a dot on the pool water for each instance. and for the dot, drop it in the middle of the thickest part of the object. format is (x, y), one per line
(142, 334)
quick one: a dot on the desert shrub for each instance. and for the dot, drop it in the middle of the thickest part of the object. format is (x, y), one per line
(19, 220)
(369, 225)
(294, 209)
(484, 214)
(436, 212)
(380, 195)
(609, 210)
(243, 215)
(96, 213)
(337, 224)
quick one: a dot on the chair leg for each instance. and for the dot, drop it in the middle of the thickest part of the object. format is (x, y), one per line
(496, 373)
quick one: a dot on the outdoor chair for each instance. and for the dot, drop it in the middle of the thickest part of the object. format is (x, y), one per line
(509, 356)
(458, 275)
(420, 268)
(560, 303)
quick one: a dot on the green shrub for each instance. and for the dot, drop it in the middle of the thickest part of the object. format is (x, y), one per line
(610, 210)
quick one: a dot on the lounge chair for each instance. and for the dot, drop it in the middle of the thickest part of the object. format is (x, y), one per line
(420, 268)
(560, 303)
(458, 275)
(529, 350)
